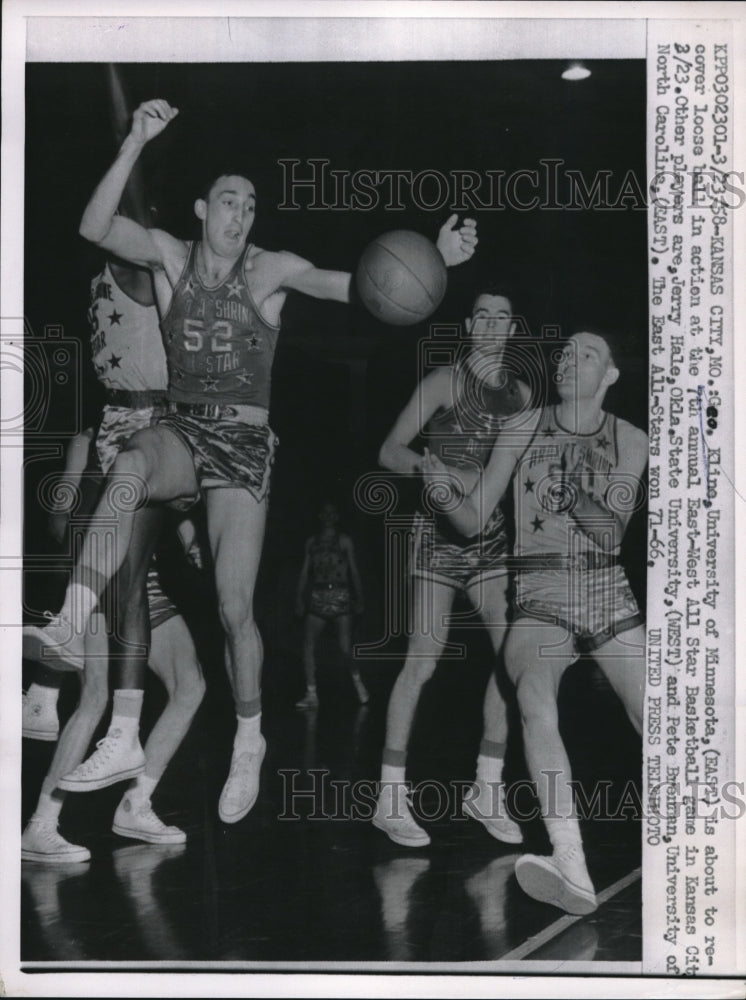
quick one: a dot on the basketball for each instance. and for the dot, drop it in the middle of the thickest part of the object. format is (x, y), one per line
(401, 277)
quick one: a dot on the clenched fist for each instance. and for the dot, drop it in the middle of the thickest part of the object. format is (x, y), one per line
(151, 118)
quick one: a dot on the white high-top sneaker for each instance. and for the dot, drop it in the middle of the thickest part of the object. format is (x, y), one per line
(394, 818)
(55, 645)
(485, 802)
(561, 879)
(115, 759)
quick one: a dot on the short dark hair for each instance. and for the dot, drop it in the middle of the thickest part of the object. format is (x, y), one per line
(210, 179)
(494, 288)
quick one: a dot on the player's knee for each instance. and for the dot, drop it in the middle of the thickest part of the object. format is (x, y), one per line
(236, 614)
(187, 685)
(536, 697)
(516, 660)
(133, 467)
(418, 669)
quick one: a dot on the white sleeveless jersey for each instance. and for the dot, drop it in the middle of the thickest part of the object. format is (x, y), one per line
(126, 341)
(542, 506)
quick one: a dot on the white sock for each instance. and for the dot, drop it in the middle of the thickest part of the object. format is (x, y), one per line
(48, 808)
(46, 696)
(392, 774)
(143, 788)
(248, 732)
(392, 799)
(489, 769)
(78, 607)
(126, 711)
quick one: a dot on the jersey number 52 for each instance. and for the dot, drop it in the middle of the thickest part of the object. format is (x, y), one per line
(220, 335)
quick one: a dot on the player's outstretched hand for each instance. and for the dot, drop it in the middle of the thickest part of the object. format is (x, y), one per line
(151, 118)
(431, 466)
(457, 245)
(441, 486)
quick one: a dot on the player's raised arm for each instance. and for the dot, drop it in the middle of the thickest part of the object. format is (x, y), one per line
(456, 246)
(432, 392)
(471, 512)
(301, 276)
(100, 223)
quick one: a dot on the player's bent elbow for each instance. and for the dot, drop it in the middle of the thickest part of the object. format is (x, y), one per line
(395, 457)
(385, 456)
(92, 232)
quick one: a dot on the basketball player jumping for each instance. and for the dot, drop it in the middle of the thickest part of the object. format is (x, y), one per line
(576, 471)
(130, 363)
(220, 301)
(458, 410)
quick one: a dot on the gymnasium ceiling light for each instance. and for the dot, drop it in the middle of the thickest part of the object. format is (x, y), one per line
(576, 71)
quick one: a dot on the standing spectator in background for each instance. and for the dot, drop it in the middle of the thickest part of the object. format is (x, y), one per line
(329, 590)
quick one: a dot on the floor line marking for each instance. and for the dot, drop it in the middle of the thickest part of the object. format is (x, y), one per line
(537, 940)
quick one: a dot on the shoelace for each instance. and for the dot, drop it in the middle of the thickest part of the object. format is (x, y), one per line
(497, 802)
(53, 838)
(54, 619)
(571, 853)
(104, 749)
(236, 762)
(408, 798)
(146, 812)
(48, 833)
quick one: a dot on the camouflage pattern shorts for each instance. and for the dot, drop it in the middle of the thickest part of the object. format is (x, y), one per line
(594, 604)
(458, 562)
(227, 452)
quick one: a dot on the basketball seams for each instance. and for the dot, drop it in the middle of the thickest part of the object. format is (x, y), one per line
(393, 302)
(409, 271)
(389, 284)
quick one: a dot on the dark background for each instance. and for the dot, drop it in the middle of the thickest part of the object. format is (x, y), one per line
(340, 376)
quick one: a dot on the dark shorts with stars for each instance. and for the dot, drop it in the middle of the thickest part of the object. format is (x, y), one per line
(455, 562)
(226, 452)
(594, 605)
(329, 601)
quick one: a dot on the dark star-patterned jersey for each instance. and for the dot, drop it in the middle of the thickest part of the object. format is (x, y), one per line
(329, 562)
(542, 504)
(464, 434)
(126, 339)
(219, 347)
